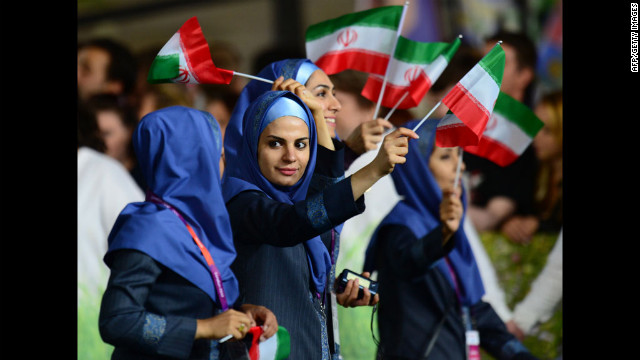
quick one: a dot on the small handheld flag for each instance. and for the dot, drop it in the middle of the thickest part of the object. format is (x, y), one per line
(414, 67)
(508, 133)
(360, 41)
(471, 102)
(186, 59)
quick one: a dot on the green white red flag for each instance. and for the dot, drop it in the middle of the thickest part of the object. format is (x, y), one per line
(186, 59)
(277, 347)
(508, 133)
(414, 67)
(360, 41)
(471, 102)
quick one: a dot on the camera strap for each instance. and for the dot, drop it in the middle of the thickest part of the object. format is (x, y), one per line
(215, 273)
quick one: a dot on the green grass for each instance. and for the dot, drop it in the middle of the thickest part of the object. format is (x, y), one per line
(90, 344)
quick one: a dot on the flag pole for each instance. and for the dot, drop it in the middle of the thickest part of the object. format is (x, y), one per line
(252, 77)
(457, 180)
(395, 106)
(393, 50)
(426, 116)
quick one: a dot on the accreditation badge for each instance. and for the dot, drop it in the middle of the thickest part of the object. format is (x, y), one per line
(473, 344)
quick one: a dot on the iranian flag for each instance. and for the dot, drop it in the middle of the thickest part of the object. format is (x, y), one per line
(276, 347)
(510, 130)
(360, 41)
(186, 59)
(471, 102)
(414, 67)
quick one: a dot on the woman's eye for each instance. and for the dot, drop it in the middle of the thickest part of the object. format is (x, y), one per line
(301, 145)
(274, 143)
(321, 94)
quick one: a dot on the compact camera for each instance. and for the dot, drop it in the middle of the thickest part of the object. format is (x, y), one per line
(363, 282)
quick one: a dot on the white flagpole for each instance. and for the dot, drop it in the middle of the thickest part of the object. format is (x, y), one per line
(393, 50)
(252, 77)
(396, 106)
(457, 180)
(426, 116)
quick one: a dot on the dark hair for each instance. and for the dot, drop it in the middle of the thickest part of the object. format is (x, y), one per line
(462, 61)
(352, 82)
(123, 65)
(104, 102)
(88, 131)
(526, 53)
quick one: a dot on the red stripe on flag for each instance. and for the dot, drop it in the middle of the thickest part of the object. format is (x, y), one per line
(455, 135)
(254, 348)
(468, 109)
(417, 89)
(198, 55)
(493, 150)
(361, 60)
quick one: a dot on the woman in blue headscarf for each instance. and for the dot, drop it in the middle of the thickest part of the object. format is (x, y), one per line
(171, 292)
(429, 284)
(292, 74)
(283, 262)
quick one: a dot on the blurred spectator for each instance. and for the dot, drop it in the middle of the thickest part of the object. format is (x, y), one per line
(547, 214)
(541, 301)
(116, 121)
(105, 66)
(466, 58)
(496, 192)
(104, 188)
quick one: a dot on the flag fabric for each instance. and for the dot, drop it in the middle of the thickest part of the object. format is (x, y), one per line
(360, 41)
(508, 133)
(186, 58)
(276, 347)
(414, 67)
(471, 102)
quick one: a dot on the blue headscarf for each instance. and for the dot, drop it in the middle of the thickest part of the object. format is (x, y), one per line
(246, 174)
(179, 151)
(419, 210)
(297, 69)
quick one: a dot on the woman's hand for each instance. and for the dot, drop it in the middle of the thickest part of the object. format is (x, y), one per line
(231, 322)
(349, 297)
(324, 137)
(367, 135)
(262, 317)
(450, 212)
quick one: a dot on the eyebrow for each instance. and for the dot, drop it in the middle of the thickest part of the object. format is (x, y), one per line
(322, 86)
(282, 139)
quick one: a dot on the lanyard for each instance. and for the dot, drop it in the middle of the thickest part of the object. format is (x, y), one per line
(464, 309)
(215, 273)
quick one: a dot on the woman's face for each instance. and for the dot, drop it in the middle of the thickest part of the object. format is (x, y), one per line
(115, 134)
(283, 150)
(443, 163)
(545, 142)
(322, 88)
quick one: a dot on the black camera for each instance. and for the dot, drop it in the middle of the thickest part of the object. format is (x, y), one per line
(363, 282)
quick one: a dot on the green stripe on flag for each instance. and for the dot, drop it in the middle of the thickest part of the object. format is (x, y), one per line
(383, 17)
(415, 52)
(493, 63)
(519, 114)
(163, 68)
(284, 343)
